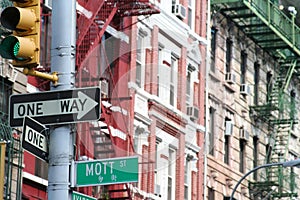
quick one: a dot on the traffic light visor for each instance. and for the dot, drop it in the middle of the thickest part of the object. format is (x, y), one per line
(19, 19)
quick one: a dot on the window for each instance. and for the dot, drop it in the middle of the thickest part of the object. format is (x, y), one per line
(268, 152)
(188, 87)
(5, 92)
(158, 71)
(137, 138)
(256, 82)
(255, 155)
(242, 155)
(45, 43)
(173, 81)
(269, 85)
(187, 178)
(213, 48)
(228, 132)
(156, 162)
(211, 194)
(189, 84)
(228, 198)
(167, 77)
(110, 46)
(243, 66)
(138, 74)
(41, 168)
(228, 54)
(212, 131)
(171, 173)
(226, 149)
(140, 59)
(191, 13)
(292, 105)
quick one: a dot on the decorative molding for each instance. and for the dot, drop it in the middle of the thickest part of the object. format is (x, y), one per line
(214, 174)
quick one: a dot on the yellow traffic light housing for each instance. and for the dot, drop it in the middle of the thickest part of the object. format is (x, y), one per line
(23, 46)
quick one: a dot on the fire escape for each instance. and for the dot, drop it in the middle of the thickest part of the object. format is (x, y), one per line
(276, 33)
(92, 24)
(13, 159)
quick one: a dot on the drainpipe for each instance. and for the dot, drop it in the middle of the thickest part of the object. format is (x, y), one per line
(207, 63)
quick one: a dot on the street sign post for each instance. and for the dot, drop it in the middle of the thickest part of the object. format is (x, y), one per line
(56, 107)
(106, 171)
(80, 196)
(35, 138)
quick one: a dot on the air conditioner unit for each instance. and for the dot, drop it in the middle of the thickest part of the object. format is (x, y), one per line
(104, 88)
(157, 190)
(230, 78)
(244, 135)
(179, 10)
(193, 112)
(228, 127)
(245, 89)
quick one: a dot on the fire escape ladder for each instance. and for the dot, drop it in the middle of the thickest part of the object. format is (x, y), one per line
(103, 146)
(281, 180)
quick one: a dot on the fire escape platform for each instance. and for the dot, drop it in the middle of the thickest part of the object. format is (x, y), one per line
(273, 30)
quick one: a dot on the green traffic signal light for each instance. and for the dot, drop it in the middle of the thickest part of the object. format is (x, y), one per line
(10, 49)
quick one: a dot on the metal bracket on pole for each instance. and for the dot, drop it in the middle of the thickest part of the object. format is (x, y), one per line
(72, 177)
(52, 77)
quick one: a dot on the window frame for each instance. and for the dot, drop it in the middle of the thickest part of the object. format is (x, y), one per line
(191, 14)
(140, 59)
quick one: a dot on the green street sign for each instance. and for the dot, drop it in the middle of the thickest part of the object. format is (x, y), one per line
(106, 171)
(80, 196)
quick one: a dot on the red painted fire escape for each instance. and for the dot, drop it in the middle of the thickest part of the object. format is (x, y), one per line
(91, 25)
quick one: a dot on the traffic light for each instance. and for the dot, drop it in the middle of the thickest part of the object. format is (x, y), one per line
(23, 46)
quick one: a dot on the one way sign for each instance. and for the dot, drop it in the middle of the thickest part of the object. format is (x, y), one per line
(56, 107)
(35, 138)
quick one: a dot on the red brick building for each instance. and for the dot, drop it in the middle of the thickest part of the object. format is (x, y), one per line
(151, 70)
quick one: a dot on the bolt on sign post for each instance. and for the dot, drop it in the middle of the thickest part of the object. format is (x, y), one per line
(23, 46)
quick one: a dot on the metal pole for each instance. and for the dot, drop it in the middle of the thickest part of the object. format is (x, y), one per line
(62, 61)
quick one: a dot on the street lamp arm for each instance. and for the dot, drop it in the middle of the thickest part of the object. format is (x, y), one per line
(251, 171)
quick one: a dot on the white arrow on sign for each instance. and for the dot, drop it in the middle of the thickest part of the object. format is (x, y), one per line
(80, 106)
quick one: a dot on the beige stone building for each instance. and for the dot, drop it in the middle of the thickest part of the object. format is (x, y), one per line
(252, 100)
